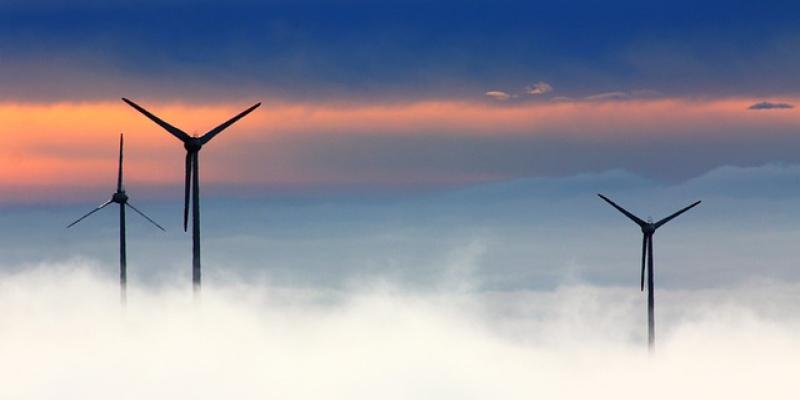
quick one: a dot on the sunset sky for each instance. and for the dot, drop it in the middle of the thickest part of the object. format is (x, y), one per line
(393, 94)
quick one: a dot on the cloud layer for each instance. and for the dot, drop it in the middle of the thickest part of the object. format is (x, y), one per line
(523, 234)
(251, 342)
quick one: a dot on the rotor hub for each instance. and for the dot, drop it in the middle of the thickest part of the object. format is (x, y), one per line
(193, 145)
(120, 197)
(649, 228)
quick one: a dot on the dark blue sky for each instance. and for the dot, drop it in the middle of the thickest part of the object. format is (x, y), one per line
(313, 50)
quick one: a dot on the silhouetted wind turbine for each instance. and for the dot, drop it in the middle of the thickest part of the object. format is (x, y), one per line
(648, 229)
(192, 145)
(121, 198)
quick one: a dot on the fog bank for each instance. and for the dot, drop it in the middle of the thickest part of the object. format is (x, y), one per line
(63, 335)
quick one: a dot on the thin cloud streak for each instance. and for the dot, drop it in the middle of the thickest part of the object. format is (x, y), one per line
(767, 105)
(498, 95)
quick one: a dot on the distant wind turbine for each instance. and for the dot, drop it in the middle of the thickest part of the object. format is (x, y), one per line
(648, 229)
(121, 198)
(192, 144)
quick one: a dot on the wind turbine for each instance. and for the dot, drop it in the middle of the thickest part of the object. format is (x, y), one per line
(121, 198)
(648, 229)
(192, 144)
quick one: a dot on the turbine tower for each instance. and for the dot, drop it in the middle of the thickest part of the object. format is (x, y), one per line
(648, 229)
(192, 144)
(121, 198)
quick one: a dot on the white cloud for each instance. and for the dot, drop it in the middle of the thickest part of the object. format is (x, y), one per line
(539, 88)
(498, 95)
(536, 89)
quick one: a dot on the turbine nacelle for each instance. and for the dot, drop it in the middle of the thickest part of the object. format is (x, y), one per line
(119, 197)
(649, 228)
(192, 144)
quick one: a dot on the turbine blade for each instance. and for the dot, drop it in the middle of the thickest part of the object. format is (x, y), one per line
(210, 135)
(100, 207)
(633, 218)
(671, 217)
(649, 261)
(145, 216)
(644, 256)
(187, 187)
(169, 128)
(119, 174)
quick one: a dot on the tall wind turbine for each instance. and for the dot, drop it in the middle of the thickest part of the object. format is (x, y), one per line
(192, 144)
(648, 229)
(121, 198)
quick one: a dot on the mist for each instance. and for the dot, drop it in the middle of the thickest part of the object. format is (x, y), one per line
(64, 335)
(515, 235)
(517, 289)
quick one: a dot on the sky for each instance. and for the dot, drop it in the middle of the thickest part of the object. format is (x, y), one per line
(396, 94)
(416, 196)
